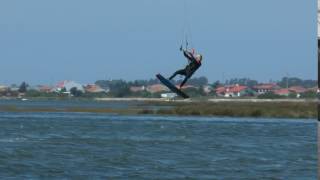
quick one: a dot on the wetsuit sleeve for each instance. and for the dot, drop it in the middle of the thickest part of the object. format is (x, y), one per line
(186, 54)
(189, 56)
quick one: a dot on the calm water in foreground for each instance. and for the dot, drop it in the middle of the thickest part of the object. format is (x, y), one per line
(101, 146)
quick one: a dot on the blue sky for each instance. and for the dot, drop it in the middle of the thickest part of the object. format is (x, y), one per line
(43, 42)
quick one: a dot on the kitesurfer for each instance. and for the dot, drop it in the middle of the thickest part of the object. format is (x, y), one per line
(194, 62)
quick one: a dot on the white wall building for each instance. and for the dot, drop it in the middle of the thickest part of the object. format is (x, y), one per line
(69, 85)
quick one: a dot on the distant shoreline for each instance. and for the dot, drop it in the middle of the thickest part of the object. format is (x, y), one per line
(206, 100)
(266, 108)
(167, 100)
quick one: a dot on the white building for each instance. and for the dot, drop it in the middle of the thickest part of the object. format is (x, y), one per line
(68, 85)
(168, 95)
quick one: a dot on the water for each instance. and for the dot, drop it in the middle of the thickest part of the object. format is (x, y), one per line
(101, 146)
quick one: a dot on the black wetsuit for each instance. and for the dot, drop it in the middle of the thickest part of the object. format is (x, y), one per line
(188, 71)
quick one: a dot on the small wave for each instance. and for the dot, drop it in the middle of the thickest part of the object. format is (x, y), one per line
(12, 140)
(151, 139)
(115, 117)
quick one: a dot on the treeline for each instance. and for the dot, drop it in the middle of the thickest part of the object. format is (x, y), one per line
(297, 82)
(283, 83)
(122, 88)
(197, 81)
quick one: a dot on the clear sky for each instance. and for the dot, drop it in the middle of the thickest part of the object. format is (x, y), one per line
(49, 41)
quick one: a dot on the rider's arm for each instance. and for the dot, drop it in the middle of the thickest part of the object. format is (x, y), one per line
(189, 56)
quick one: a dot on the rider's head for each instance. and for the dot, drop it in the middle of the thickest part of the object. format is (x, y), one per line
(199, 57)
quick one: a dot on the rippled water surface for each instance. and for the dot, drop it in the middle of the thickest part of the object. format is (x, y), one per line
(101, 146)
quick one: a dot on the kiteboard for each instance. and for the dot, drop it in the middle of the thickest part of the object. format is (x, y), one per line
(172, 87)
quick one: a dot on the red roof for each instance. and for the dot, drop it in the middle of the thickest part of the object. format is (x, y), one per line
(185, 86)
(220, 90)
(62, 84)
(93, 88)
(297, 89)
(230, 89)
(157, 88)
(236, 89)
(136, 88)
(314, 89)
(281, 91)
(45, 88)
(266, 86)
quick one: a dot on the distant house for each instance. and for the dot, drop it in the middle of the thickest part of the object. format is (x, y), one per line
(45, 89)
(236, 91)
(233, 91)
(297, 90)
(68, 85)
(282, 92)
(207, 89)
(137, 88)
(93, 88)
(220, 91)
(168, 95)
(314, 89)
(186, 87)
(157, 88)
(264, 88)
(41, 88)
(14, 89)
(4, 88)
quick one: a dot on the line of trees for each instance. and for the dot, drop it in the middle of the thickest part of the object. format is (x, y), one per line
(197, 81)
(283, 83)
(121, 88)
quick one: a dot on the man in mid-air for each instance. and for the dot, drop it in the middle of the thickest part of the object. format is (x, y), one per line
(194, 62)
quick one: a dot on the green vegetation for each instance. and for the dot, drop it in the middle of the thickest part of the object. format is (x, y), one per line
(195, 92)
(269, 95)
(199, 87)
(34, 93)
(309, 95)
(75, 92)
(293, 81)
(23, 87)
(242, 81)
(230, 109)
(246, 109)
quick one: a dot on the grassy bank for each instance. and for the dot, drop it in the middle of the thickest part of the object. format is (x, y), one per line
(242, 109)
(232, 109)
(73, 109)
